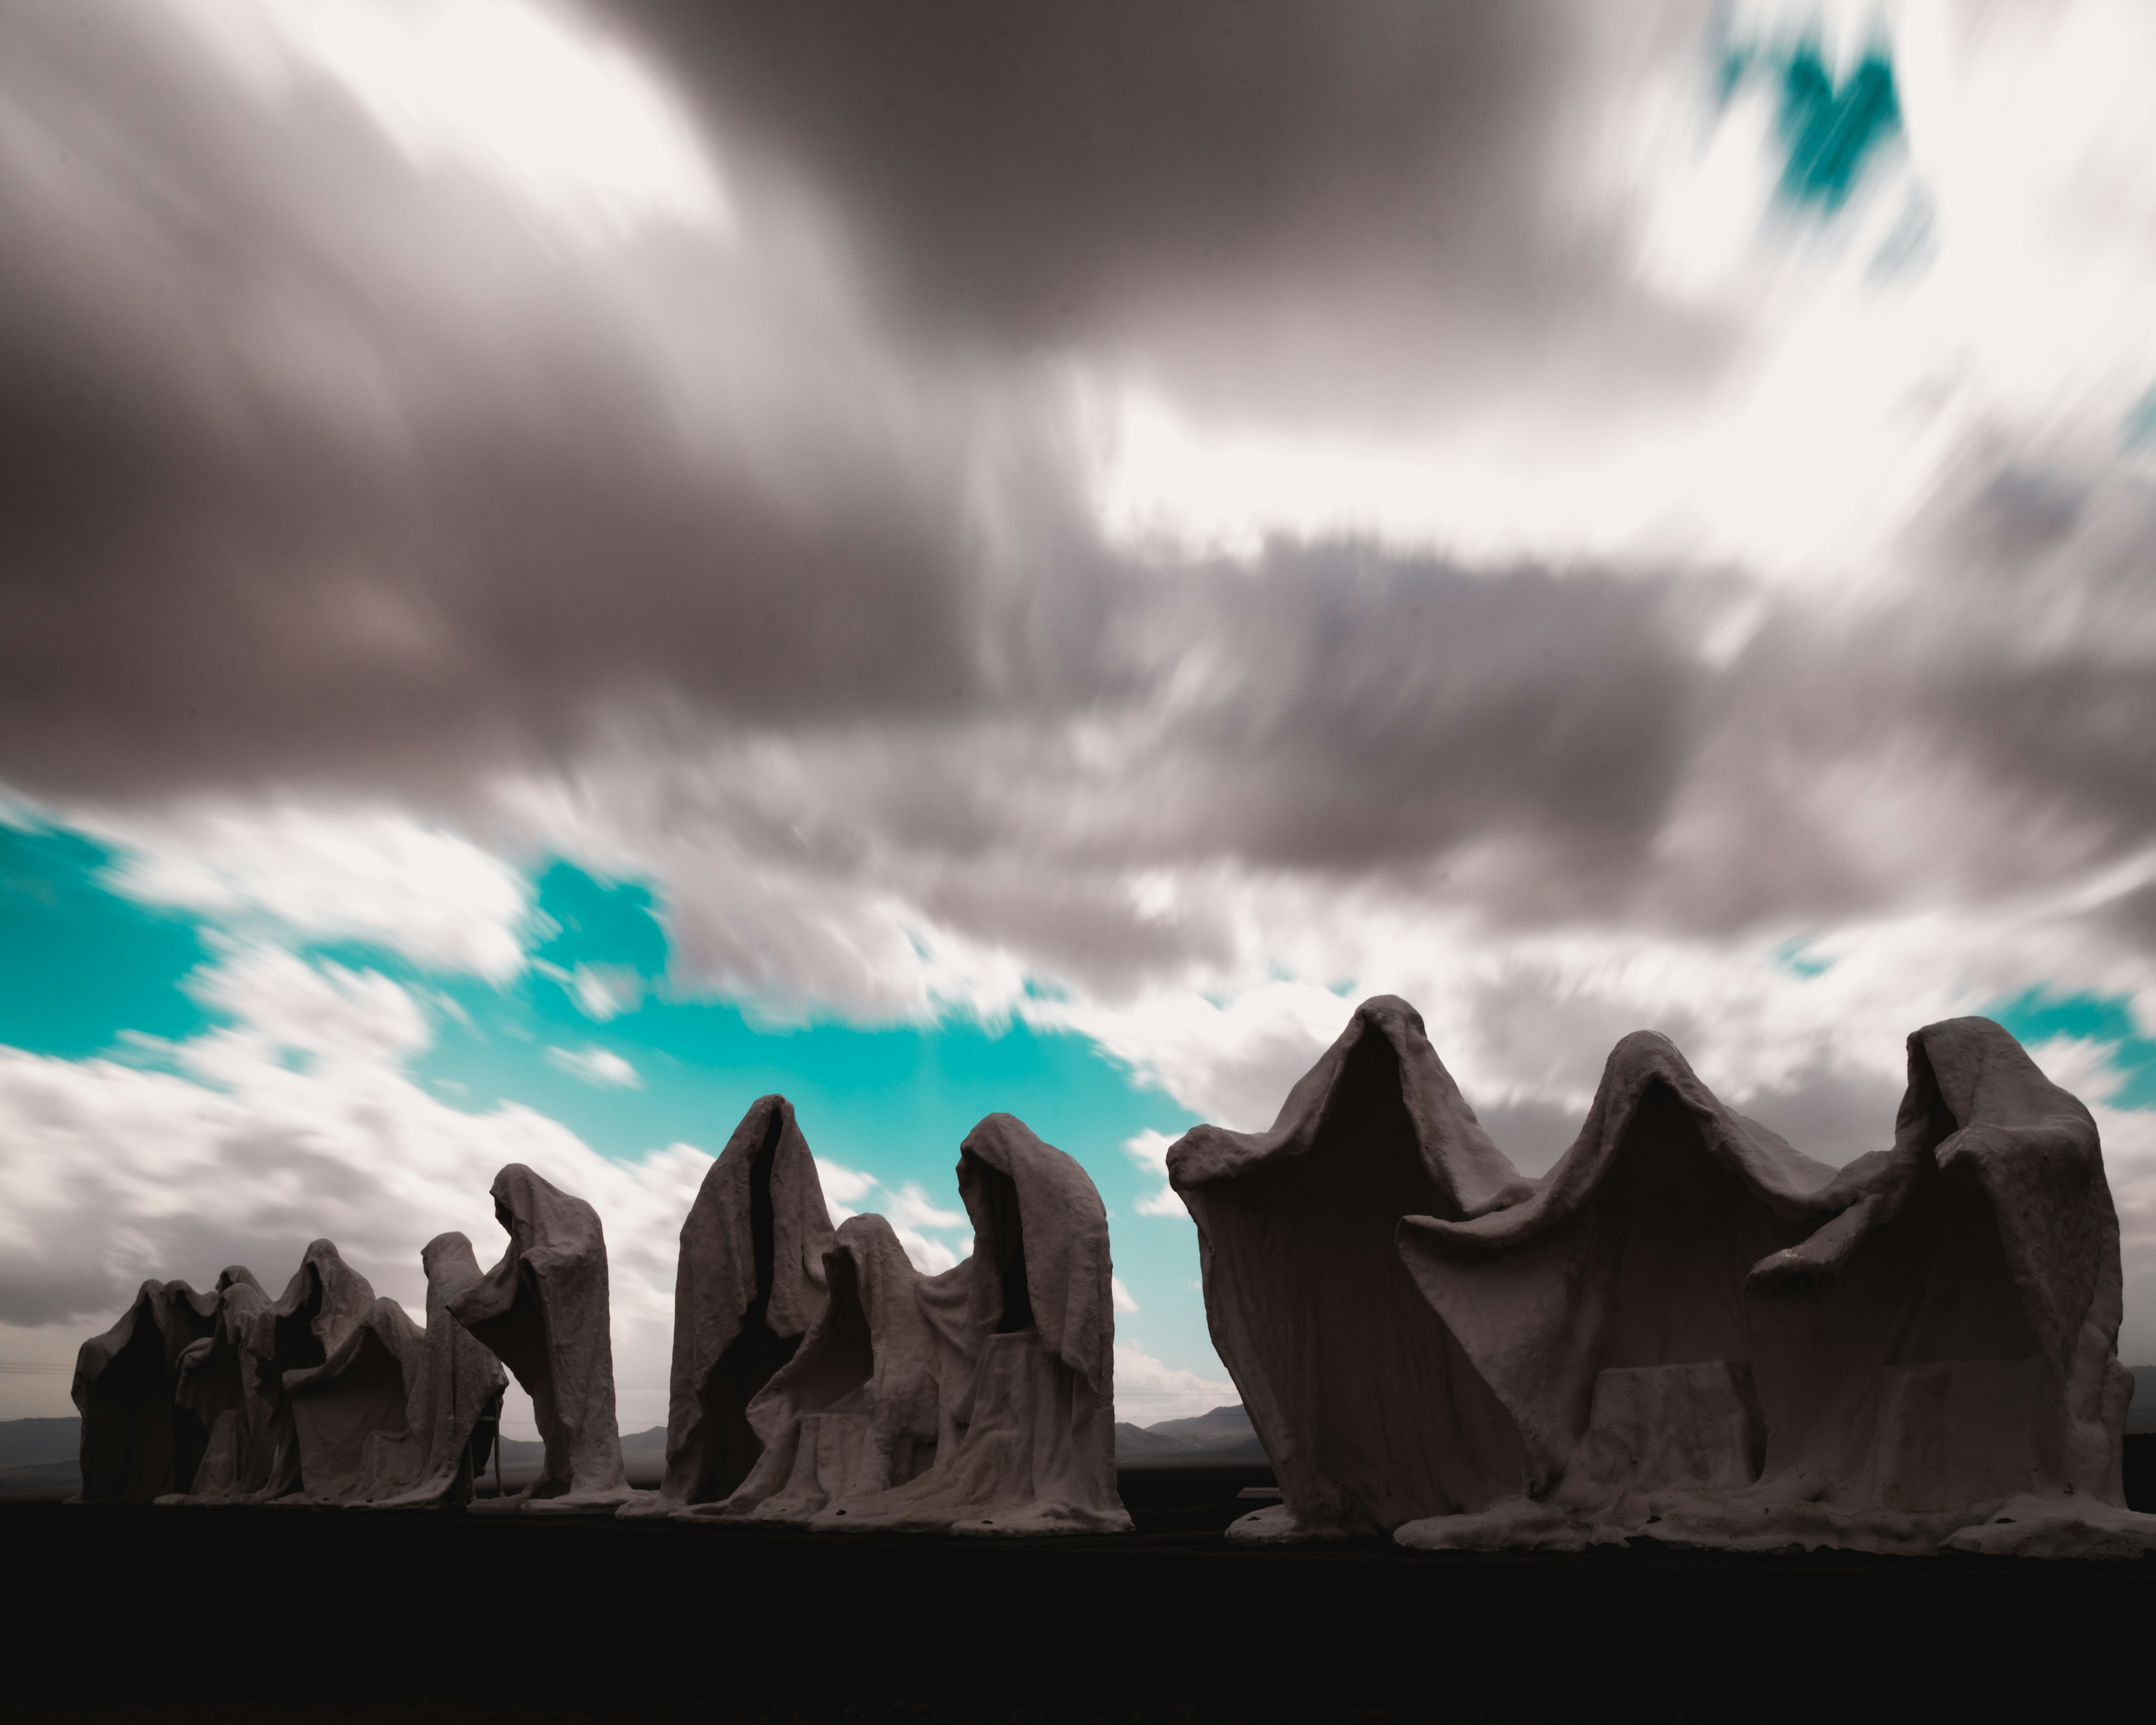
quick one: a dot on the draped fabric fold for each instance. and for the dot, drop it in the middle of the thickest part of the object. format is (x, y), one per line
(543, 1311)
(748, 1285)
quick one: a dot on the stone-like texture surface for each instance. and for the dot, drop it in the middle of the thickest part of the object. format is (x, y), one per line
(454, 1399)
(325, 1302)
(388, 1417)
(235, 1394)
(858, 1408)
(1703, 1337)
(749, 1285)
(543, 1312)
(138, 1443)
(1369, 1413)
(1021, 1337)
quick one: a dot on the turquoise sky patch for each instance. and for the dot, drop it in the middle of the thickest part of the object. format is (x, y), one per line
(2039, 1015)
(1830, 130)
(80, 964)
(85, 966)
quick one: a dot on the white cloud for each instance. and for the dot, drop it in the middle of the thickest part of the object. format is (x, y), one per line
(597, 1065)
(109, 1173)
(912, 1206)
(909, 1209)
(526, 94)
(1120, 1294)
(365, 874)
(1149, 1150)
(1148, 1392)
(929, 1256)
(843, 1185)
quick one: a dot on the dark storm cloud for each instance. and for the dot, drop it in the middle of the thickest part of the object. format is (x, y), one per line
(327, 467)
(324, 468)
(1369, 707)
(316, 463)
(1367, 211)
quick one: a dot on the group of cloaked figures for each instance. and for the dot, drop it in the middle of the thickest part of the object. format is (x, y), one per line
(1686, 1330)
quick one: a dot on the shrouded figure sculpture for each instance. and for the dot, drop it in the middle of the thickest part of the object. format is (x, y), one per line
(749, 1284)
(389, 1417)
(543, 1311)
(1687, 1330)
(1370, 1412)
(140, 1441)
(235, 1393)
(859, 1408)
(1701, 1333)
(1021, 1341)
(453, 1411)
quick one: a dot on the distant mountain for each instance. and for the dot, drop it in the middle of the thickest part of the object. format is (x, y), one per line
(1133, 1443)
(1225, 1435)
(2141, 1411)
(1210, 1432)
(634, 1445)
(31, 1440)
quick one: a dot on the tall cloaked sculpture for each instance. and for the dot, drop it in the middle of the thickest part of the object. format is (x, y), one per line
(323, 1304)
(543, 1312)
(1701, 1335)
(748, 1285)
(1369, 1409)
(1023, 1339)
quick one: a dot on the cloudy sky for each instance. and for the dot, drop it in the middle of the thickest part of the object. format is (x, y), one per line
(565, 566)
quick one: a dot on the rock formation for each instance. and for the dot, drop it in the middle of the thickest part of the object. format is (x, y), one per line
(1368, 1410)
(1697, 1331)
(859, 1407)
(749, 1284)
(1023, 1339)
(543, 1312)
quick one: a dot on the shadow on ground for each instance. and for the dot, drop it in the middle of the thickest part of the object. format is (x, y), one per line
(268, 1613)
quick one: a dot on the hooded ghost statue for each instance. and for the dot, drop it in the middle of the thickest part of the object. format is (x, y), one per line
(749, 1284)
(453, 1405)
(1697, 1331)
(228, 1388)
(1023, 1338)
(389, 1418)
(139, 1441)
(542, 1311)
(1366, 1407)
(324, 1303)
(859, 1408)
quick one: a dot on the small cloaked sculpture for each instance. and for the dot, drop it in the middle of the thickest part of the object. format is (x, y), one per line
(140, 1442)
(1018, 1342)
(543, 1312)
(859, 1408)
(390, 1417)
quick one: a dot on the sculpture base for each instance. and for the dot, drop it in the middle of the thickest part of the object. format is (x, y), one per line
(1275, 1524)
(1752, 1522)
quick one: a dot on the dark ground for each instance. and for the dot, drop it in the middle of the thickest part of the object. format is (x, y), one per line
(247, 1614)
